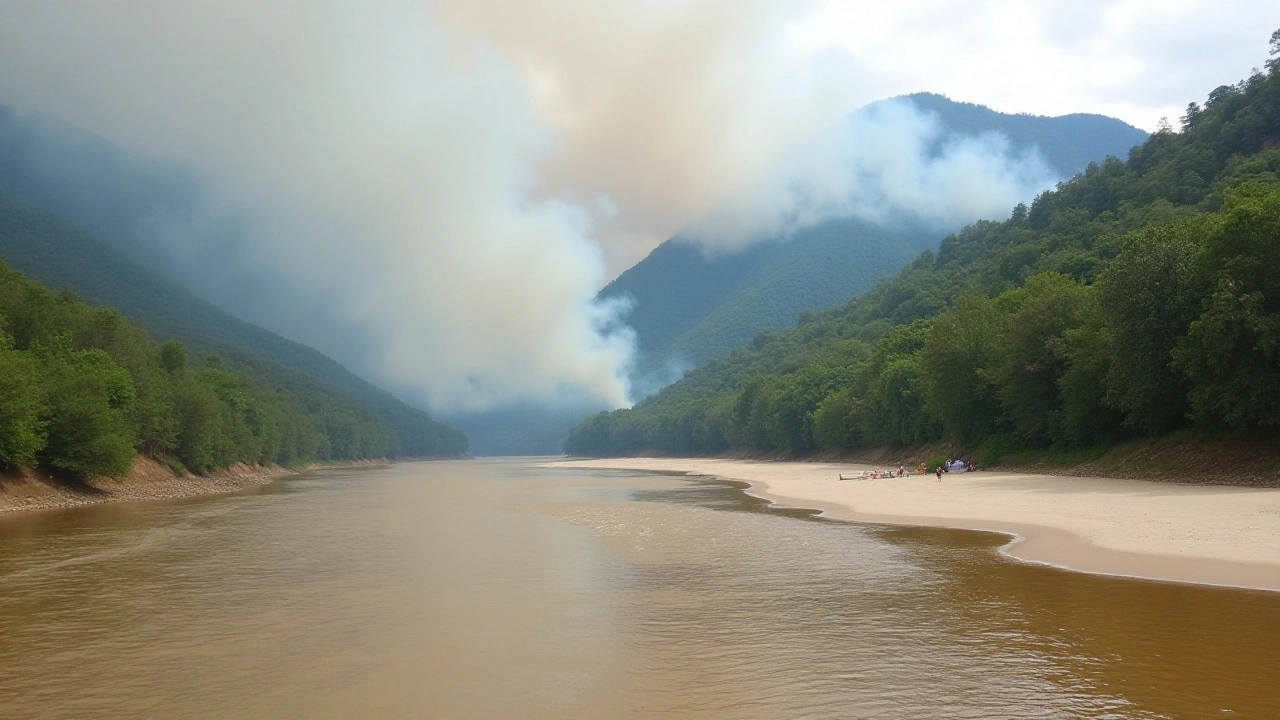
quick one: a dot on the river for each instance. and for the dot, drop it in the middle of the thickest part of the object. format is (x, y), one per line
(497, 589)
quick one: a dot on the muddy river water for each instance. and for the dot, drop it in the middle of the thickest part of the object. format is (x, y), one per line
(496, 589)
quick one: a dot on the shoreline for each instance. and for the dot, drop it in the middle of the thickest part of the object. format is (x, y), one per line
(1198, 534)
(28, 490)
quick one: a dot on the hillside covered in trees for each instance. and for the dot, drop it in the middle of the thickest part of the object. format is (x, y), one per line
(691, 307)
(1136, 299)
(54, 251)
(83, 390)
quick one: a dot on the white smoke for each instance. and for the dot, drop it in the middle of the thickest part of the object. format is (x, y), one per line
(434, 192)
(888, 162)
(666, 105)
(427, 191)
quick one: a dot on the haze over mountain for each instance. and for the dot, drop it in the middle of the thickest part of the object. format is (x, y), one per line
(689, 310)
(690, 304)
(52, 250)
(860, 201)
(433, 193)
(1137, 299)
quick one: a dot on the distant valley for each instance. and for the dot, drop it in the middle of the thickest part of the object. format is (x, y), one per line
(98, 234)
(690, 306)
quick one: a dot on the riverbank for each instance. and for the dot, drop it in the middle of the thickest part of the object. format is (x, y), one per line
(147, 480)
(1176, 532)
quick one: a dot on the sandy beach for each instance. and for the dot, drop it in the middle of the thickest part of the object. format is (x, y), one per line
(1164, 531)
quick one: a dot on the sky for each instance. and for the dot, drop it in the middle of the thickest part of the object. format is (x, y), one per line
(434, 190)
(1137, 60)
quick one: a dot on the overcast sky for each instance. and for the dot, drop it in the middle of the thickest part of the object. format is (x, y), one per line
(457, 178)
(1137, 60)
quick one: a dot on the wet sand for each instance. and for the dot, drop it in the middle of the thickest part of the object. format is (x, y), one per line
(1163, 531)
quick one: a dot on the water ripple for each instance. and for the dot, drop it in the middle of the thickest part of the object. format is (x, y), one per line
(493, 590)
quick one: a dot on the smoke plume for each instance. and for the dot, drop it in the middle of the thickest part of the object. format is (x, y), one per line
(433, 193)
(425, 192)
(395, 181)
(887, 163)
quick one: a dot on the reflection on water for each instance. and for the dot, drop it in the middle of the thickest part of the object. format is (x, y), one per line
(496, 590)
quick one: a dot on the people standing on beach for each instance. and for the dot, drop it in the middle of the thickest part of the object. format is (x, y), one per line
(899, 469)
(938, 472)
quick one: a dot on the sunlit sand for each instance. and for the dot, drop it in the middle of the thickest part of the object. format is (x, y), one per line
(1185, 533)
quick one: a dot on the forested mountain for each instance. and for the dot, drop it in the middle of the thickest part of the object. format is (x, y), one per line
(52, 250)
(691, 307)
(1068, 143)
(82, 390)
(100, 227)
(1138, 298)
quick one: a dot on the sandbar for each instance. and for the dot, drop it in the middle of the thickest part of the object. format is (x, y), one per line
(1203, 534)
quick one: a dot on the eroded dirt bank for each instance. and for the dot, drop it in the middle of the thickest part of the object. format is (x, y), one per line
(26, 489)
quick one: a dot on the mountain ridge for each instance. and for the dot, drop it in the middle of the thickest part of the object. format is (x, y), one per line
(49, 248)
(1137, 299)
(679, 293)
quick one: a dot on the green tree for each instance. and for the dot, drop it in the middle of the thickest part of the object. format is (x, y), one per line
(88, 398)
(1231, 352)
(835, 422)
(1086, 417)
(1034, 353)
(22, 433)
(956, 362)
(173, 357)
(1150, 295)
(892, 410)
(750, 423)
(199, 425)
(151, 412)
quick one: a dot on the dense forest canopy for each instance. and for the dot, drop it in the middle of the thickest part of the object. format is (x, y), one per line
(83, 390)
(1138, 298)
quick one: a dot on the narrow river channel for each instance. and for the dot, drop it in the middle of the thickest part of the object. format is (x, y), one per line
(496, 589)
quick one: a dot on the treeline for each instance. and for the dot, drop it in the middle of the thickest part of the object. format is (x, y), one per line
(1140, 297)
(82, 391)
(48, 248)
